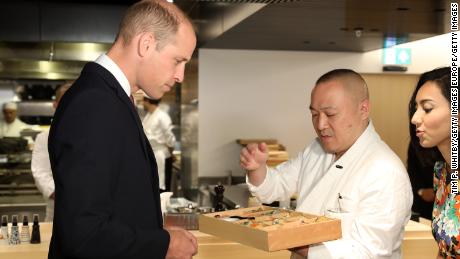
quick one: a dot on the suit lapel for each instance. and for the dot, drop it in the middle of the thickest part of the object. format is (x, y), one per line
(148, 153)
(127, 101)
(113, 83)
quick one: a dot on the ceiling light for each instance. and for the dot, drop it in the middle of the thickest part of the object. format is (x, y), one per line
(44, 66)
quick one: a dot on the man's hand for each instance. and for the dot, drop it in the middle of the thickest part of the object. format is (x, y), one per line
(182, 244)
(302, 251)
(254, 156)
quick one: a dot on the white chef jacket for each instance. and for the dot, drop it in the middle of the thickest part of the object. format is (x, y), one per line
(41, 171)
(158, 129)
(375, 193)
(12, 129)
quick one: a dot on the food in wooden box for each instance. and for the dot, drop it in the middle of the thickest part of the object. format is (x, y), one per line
(269, 219)
(269, 228)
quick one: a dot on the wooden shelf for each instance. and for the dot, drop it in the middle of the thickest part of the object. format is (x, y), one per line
(244, 142)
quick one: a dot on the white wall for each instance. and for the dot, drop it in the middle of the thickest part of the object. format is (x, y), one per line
(265, 94)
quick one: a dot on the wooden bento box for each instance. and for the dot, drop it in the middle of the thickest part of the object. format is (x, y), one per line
(270, 229)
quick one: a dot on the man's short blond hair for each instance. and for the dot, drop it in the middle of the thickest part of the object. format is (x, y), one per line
(156, 16)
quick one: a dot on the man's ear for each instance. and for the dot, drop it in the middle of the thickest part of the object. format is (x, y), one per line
(364, 109)
(146, 42)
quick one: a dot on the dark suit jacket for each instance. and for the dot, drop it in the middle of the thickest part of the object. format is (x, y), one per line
(107, 196)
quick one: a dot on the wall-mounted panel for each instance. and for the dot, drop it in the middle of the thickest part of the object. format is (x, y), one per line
(80, 22)
(19, 22)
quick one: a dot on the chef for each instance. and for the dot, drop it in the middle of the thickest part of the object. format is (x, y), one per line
(11, 126)
(40, 164)
(347, 172)
(158, 129)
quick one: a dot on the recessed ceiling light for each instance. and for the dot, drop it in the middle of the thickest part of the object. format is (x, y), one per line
(306, 42)
(331, 42)
(403, 9)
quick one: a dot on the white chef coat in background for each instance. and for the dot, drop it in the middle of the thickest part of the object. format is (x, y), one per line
(12, 129)
(41, 171)
(158, 129)
(374, 189)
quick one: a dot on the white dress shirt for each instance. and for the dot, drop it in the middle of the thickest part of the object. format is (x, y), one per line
(41, 171)
(375, 192)
(158, 129)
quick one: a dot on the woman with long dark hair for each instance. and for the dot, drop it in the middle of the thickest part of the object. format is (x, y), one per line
(429, 110)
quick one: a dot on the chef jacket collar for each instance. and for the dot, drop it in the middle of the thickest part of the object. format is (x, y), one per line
(357, 148)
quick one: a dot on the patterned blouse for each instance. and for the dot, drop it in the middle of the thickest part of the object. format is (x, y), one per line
(446, 214)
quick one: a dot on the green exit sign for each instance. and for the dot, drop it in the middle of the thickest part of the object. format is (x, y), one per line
(397, 56)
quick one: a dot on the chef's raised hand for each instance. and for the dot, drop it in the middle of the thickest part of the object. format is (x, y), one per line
(253, 158)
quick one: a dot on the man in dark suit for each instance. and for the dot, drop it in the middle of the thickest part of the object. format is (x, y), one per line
(107, 198)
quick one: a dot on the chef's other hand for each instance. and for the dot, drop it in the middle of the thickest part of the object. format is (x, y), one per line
(299, 252)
